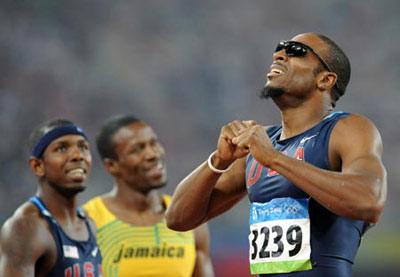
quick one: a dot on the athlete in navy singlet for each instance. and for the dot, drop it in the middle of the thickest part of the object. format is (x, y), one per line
(315, 182)
(332, 253)
(47, 236)
(75, 258)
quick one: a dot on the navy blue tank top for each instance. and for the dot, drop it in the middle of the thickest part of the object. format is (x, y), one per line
(334, 239)
(75, 258)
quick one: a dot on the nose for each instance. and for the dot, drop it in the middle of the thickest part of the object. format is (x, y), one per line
(280, 56)
(77, 154)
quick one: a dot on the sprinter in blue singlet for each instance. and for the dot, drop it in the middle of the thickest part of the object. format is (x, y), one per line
(332, 252)
(48, 235)
(315, 182)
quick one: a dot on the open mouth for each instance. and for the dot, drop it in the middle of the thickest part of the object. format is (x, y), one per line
(156, 170)
(77, 172)
(276, 70)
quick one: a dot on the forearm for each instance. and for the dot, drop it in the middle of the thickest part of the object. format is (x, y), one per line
(191, 199)
(347, 194)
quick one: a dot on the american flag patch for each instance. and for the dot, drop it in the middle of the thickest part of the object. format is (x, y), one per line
(70, 251)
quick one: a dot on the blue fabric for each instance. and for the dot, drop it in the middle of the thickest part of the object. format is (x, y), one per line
(44, 141)
(334, 239)
(89, 261)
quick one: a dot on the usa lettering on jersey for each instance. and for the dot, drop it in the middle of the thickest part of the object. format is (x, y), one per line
(87, 269)
(256, 168)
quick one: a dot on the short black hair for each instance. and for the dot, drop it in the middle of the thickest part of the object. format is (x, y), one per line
(104, 139)
(45, 127)
(338, 63)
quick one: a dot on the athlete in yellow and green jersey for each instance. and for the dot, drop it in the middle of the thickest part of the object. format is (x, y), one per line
(133, 250)
(130, 219)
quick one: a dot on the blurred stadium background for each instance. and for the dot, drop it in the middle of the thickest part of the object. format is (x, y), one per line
(187, 68)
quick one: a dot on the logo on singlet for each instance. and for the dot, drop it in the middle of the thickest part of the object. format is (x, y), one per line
(95, 251)
(303, 140)
(70, 251)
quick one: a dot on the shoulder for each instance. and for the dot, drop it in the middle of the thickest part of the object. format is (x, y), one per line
(355, 120)
(93, 206)
(355, 136)
(97, 212)
(91, 203)
(166, 198)
(26, 231)
(355, 128)
(24, 220)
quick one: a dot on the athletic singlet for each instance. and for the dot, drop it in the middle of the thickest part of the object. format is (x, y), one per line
(131, 250)
(75, 258)
(334, 239)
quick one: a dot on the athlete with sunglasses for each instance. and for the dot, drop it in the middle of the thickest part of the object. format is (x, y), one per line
(315, 182)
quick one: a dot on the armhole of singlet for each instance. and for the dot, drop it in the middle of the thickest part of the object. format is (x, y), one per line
(51, 225)
(83, 215)
(338, 116)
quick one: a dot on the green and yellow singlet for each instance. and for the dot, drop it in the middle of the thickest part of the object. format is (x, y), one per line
(131, 250)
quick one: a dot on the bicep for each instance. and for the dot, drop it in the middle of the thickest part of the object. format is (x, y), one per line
(19, 248)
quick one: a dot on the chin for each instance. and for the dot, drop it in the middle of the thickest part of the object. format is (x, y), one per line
(69, 190)
(159, 184)
(269, 91)
(78, 179)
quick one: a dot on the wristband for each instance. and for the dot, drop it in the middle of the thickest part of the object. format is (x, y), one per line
(216, 170)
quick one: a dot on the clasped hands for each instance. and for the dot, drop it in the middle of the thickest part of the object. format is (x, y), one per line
(239, 138)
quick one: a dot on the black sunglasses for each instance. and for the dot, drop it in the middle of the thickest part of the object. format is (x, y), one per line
(298, 49)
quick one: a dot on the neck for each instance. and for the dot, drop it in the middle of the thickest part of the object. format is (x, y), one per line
(299, 118)
(60, 206)
(126, 197)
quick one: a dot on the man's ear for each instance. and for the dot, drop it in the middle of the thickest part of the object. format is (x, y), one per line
(326, 80)
(111, 166)
(37, 167)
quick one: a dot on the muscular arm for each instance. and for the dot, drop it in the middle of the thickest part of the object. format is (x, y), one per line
(203, 266)
(358, 189)
(22, 243)
(204, 194)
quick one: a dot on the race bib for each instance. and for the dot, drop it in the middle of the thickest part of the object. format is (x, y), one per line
(279, 236)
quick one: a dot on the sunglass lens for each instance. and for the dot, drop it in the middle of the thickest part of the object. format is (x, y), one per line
(292, 49)
(281, 45)
(295, 50)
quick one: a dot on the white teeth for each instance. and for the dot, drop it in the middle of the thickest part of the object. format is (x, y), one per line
(76, 171)
(277, 71)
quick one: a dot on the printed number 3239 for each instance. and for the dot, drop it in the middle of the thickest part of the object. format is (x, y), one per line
(293, 237)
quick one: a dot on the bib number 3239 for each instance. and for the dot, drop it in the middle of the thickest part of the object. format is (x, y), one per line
(279, 236)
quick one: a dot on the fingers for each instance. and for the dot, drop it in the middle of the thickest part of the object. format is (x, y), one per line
(237, 127)
(242, 140)
(253, 133)
(249, 123)
(231, 135)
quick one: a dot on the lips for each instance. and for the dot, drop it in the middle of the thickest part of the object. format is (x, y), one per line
(77, 172)
(276, 70)
(156, 171)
